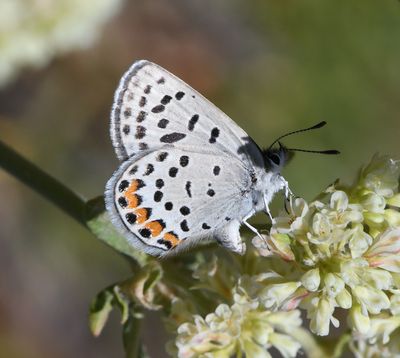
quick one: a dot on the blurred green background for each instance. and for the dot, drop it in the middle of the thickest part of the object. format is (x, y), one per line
(273, 66)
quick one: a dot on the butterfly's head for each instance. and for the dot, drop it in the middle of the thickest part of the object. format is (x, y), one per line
(276, 158)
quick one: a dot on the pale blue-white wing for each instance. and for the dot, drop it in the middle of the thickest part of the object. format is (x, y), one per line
(153, 108)
(168, 199)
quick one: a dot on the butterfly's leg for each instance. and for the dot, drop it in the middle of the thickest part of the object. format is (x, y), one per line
(285, 184)
(252, 228)
(267, 211)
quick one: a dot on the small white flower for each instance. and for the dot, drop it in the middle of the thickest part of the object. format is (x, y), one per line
(360, 320)
(344, 299)
(384, 253)
(273, 295)
(321, 314)
(381, 176)
(311, 279)
(381, 328)
(333, 284)
(371, 299)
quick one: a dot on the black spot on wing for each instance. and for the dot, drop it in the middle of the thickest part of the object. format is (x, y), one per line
(210, 192)
(142, 101)
(184, 160)
(145, 232)
(179, 95)
(158, 196)
(126, 129)
(205, 226)
(147, 89)
(123, 185)
(168, 206)
(167, 244)
(158, 109)
(163, 123)
(133, 170)
(139, 184)
(172, 137)
(162, 156)
(130, 218)
(187, 188)
(127, 112)
(140, 132)
(166, 99)
(149, 169)
(193, 121)
(122, 202)
(184, 226)
(143, 146)
(214, 135)
(184, 210)
(173, 171)
(216, 170)
(161, 81)
(159, 183)
(141, 116)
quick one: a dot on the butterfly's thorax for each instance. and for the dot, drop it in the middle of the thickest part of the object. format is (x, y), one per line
(267, 184)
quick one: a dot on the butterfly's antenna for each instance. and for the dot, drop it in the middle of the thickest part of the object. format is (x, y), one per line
(318, 125)
(329, 151)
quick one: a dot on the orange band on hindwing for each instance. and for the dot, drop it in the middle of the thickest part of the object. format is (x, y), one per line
(133, 199)
(171, 238)
(155, 227)
(142, 215)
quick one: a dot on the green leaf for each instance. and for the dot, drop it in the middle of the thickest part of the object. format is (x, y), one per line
(123, 303)
(99, 223)
(142, 286)
(99, 311)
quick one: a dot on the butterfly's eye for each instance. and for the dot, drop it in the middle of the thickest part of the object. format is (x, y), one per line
(275, 158)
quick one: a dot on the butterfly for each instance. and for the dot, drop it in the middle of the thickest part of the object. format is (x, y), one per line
(188, 172)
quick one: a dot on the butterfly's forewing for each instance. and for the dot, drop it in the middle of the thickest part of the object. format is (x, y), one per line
(166, 199)
(153, 108)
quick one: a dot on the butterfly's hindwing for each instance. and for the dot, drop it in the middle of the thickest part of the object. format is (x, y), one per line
(169, 198)
(153, 108)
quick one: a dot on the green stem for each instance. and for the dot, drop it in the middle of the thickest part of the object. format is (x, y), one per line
(131, 336)
(47, 186)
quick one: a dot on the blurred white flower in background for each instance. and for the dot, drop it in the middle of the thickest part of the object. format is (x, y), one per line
(32, 32)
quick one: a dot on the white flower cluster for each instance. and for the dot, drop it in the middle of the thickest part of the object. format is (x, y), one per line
(32, 32)
(244, 328)
(345, 252)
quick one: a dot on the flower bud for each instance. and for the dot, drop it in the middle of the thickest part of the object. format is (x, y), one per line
(334, 284)
(322, 317)
(373, 202)
(343, 299)
(360, 321)
(311, 280)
